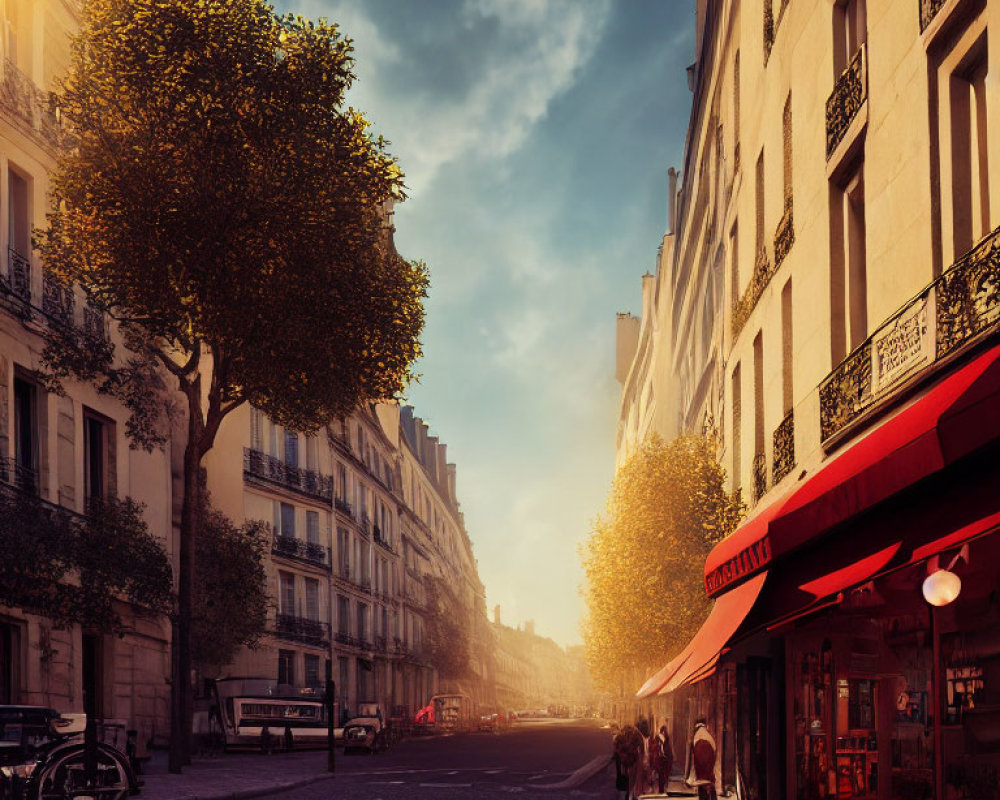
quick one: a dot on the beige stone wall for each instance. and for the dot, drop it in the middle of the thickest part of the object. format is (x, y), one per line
(901, 135)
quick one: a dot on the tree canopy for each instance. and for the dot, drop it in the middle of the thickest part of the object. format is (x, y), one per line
(447, 630)
(643, 560)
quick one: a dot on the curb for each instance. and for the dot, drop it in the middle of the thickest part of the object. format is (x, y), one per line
(258, 791)
(583, 774)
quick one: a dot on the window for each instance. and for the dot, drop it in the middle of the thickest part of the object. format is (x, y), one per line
(288, 520)
(10, 663)
(98, 439)
(343, 615)
(364, 668)
(362, 621)
(312, 451)
(286, 667)
(312, 527)
(736, 111)
(26, 435)
(760, 250)
(344, 671)
(310, 671)
(291, 448)
(850, 24)
(19, 213)
(787, 353)
(758, 394)
(786, 137)
(734, 265)
(848, 267)
(342, 482)
(343, 552)
(286, 582)
(256, 429)
(312, 599)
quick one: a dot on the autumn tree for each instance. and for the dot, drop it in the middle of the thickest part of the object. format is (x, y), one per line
(643, 560)
(447, 630)
(221, 204)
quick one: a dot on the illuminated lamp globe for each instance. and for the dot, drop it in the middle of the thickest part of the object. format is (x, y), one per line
(941, 587)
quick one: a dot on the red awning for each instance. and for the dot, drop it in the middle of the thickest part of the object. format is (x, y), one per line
(663, 675)
(727, 615)
(858, 572)
(956, 538)
(952, 419)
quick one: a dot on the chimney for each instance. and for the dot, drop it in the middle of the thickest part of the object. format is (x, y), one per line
(496, 615)
(672, 201)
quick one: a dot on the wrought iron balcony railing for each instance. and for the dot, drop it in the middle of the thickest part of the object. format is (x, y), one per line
(768, 30)
(57, 301)
(849, 93)
(30, 108)
(18, 275)
(343, 506)
(301, 629)
(365, 523)
(928, 10)
(95, 325)
(784, 237)
(783, 455)
(290, 547)
(18, 476)
(273, 470)
(762, 274)
(759, 476)
(346, 639)
(959, 307)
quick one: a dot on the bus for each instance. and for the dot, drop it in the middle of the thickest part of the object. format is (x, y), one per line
(243, 707)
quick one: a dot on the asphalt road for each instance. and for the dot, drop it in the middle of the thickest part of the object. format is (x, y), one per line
(480, 765)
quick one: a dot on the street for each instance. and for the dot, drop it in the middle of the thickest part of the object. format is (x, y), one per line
(523, 760)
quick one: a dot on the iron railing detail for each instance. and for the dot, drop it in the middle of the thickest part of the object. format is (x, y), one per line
(305, 481)
(19, 275)
(928, 10)
(759, 476)
(343, 506)
(768, 30)
(959, 307)
(849, 93)
(783, 454)
(784, 237)
(290, 547)
(301, 629)
(31, 109)
(57, 301)
(762, 273)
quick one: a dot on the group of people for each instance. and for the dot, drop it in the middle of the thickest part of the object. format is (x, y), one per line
(644, 762)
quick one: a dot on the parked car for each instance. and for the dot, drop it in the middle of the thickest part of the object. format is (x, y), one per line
(366, 731)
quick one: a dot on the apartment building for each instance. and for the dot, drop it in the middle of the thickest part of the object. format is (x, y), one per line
(65, 449)
(825, 301)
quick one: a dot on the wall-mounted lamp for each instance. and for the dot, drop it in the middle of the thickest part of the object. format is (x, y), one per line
(942, 586)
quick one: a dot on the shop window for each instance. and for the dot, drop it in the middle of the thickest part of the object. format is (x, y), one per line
(813, 723)
(857, 738)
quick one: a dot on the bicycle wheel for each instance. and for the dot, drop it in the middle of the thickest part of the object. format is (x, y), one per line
(63, 777)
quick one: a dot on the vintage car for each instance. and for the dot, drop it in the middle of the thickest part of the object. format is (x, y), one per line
(366, 731)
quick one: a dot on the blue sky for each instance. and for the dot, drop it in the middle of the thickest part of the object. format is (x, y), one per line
(535, 136)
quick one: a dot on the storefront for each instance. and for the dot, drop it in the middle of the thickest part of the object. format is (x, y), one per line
(848, 682)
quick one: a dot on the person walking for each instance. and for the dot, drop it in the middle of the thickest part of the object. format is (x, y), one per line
(641, 778)
(618, 755)
(661, 759)
(629, 755)
(703, 765)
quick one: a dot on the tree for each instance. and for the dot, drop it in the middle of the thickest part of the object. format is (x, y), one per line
(447, 630)
(227, 211)
(643, 560)
(230, 600)
(78, 568)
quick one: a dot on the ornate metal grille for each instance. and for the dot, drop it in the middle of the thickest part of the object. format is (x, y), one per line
(928, 10)
(57, 301)
(784, 236)
(19, 272)
(968, 295)
(762, 273)
(759, 476)
(848, 94)
(300, 629)
(93, 323)
(783, 455)
(290, 547)
(271, 469)
(33, 110)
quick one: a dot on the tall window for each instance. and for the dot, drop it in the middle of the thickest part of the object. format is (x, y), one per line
(758, 394)
(286, 667)
(286, 582)
(343, 615)
(362, 621)
(850, 26)
(312, 599)
(291, 448)
(970, 194)
(343, 551)
(734, 265)
(287, 520)
(848, 265)
(760, 249)
(786, 131)
(310, 671)
(312, 527)
(256, 429)
(19, 212)
(341, 481)
(736, 111)
(787, 353)
(26, 435)
(97, 438)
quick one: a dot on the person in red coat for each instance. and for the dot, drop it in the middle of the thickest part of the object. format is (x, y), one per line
(704, 769)
(661, 758)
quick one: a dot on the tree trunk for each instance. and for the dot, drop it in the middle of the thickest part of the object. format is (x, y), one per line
(180, 690)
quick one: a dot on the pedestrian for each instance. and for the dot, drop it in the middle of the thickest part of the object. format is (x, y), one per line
(704, 769)
(617, 755)
(640, 781)
(630, 751)
(661, 758)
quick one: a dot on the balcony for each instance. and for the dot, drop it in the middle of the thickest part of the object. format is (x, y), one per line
(743, 308)
(954, 311)
(849, 93)
(32, 110)
(343, 506)
(18, 476)
(365, 523)
(784, 236)
(381, 539)
(273, 470)
(95, 326)
(57, 301)
(928, 10)
(17, 283)
(311, 553)
(783, 454)
(299, 629)
(347, 640)
(759, 476)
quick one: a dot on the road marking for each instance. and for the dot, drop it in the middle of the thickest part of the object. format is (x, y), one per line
(512, 789)
(493, 771)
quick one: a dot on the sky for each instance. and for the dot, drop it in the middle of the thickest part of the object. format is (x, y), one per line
(535, 136)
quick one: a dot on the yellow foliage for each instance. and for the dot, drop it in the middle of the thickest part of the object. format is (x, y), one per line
(644, 558)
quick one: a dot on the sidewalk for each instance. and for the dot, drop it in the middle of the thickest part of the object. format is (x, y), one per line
(233, 776)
